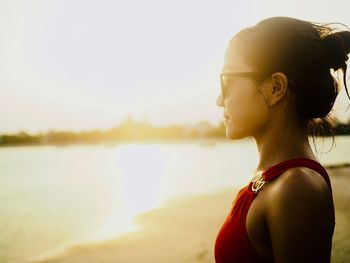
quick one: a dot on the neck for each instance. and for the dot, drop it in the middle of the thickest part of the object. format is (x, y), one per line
(275, 146)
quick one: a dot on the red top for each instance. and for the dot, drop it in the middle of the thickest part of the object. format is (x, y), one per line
(232, 243)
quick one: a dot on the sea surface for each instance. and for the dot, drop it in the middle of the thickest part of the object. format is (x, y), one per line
(55, 196)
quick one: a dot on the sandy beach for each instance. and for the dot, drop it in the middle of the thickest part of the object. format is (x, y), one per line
(185, 230)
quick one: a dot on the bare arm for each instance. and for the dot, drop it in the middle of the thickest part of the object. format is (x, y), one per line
(300, 219)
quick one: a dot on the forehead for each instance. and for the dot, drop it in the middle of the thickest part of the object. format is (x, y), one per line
(233, 60)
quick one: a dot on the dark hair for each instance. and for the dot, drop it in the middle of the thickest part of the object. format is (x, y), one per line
(305, 52)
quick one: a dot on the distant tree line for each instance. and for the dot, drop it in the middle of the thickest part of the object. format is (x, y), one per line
(130, 130)
(342, 129)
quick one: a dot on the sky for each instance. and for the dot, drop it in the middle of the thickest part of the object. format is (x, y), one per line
(82, 64)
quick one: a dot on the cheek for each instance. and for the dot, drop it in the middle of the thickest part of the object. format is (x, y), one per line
(247, 113)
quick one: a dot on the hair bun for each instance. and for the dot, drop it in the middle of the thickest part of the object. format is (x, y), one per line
(337, 46)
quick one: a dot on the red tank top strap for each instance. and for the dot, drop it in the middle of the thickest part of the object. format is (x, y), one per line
(276, 170)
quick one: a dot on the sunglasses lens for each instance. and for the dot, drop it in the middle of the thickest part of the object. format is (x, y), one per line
(225, 82)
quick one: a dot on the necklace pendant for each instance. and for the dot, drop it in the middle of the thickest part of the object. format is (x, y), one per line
(257, 182)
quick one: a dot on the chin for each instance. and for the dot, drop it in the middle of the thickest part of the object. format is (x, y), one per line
(234, 134)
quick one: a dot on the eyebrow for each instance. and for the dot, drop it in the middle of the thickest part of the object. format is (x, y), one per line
(228, 67)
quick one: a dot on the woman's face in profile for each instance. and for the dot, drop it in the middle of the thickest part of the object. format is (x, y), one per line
(243, 104)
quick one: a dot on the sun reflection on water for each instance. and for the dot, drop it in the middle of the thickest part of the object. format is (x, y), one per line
(142, 169)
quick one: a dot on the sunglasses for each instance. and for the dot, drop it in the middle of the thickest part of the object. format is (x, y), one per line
(225, 79)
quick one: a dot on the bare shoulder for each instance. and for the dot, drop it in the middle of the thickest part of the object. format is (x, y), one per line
(300, 217)
(300, 181)
(302, 190)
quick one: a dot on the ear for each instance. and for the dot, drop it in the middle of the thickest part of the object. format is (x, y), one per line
(276, 89)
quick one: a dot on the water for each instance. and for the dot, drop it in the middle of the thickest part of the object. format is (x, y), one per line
(56, 196)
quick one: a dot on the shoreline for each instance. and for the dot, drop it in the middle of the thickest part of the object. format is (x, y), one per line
(185, 228)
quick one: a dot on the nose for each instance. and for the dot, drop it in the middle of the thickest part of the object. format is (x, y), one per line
(219, 101)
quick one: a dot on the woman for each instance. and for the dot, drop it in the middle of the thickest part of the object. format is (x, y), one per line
(277, 87)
